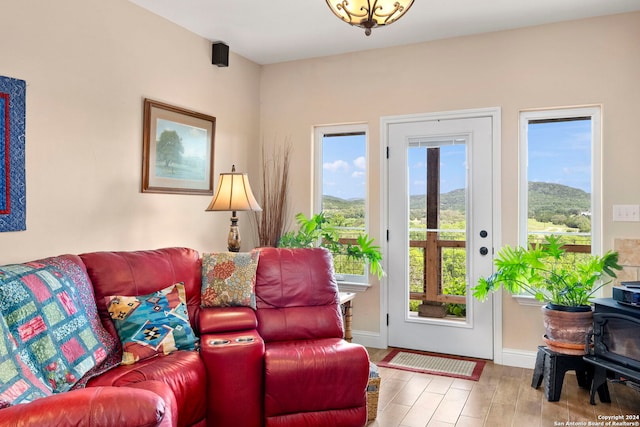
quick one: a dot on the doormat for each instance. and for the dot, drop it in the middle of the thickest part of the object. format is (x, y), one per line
(433, 363)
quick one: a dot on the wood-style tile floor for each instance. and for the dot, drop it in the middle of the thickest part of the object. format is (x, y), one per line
(502, 397)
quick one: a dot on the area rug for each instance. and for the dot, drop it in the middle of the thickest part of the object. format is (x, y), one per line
(435, 364)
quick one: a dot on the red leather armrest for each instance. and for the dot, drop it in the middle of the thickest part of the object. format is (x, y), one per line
(170, 418)
(227, 319)
(93, 406)
(235, 374)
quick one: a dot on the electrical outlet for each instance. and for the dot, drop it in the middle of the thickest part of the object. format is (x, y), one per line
(628, 213)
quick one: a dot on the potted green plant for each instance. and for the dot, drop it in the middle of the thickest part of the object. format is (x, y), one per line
(317, 232)
(566, 287)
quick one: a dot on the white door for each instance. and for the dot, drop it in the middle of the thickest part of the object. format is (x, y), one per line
(440, 202)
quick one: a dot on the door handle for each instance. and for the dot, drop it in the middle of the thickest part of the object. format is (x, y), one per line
(484, 250)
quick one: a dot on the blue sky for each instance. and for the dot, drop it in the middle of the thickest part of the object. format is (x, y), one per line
(452, 169)
(344, 167)
(559, 152)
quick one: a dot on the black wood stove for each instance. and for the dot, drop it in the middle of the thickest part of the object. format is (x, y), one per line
(615, 353)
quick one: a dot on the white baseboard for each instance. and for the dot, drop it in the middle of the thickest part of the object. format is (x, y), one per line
(368, 339)
(519, 358)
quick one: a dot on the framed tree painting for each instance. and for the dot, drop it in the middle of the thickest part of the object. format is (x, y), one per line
(177, 150)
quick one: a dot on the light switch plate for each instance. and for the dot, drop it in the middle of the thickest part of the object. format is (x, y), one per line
(628, 213)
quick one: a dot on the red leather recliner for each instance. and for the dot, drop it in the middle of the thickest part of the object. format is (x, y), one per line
(313, 377)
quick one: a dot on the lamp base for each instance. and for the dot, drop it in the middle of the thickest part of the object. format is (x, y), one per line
(233, 240)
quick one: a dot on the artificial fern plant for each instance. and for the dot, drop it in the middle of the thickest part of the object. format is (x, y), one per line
(539, 271)
(317, 232)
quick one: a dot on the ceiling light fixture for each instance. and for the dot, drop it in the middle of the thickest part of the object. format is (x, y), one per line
(369, 13)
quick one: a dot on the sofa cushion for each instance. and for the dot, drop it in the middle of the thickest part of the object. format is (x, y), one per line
(318, 375)
(152, 324)
(183, 371)
(52, 331)
(297, 295)
(17, 383)
(228, 279)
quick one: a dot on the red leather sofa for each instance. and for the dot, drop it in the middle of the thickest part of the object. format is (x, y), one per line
(283, 364)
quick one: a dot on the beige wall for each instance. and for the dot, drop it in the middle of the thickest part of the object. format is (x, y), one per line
(88, 65)
(595, 61)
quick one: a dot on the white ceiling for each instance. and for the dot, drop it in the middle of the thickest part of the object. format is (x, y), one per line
(268, 32)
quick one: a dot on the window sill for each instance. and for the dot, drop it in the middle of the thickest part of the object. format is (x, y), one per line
(352, 286)
(527, 300)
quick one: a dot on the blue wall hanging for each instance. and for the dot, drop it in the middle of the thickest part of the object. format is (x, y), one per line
(13, 195)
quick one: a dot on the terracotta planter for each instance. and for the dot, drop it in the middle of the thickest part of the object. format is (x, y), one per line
(566, 331)
(432, 309)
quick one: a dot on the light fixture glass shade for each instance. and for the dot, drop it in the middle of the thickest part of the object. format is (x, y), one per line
(233, 194)
(369, 13)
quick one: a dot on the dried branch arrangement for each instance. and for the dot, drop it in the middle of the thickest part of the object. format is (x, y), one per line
(274, 217)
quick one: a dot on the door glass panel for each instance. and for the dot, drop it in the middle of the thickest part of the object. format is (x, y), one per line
(437, 170)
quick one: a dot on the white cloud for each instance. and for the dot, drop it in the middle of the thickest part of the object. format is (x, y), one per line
(336, 166)
(357, 174)
(360, 163)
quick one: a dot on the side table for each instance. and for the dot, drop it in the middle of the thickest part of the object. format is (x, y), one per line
(347, 313)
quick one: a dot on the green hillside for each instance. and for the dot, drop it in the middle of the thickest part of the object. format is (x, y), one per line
(332, 203)
(548, 202)
(545, 197)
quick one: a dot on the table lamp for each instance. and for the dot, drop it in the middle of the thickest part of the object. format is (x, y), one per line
(233, 194)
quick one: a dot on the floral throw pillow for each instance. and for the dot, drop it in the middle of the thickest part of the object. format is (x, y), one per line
(150, 325)
(229, 279)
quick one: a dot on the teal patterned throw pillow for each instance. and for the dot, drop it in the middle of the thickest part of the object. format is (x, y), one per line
(149, 325)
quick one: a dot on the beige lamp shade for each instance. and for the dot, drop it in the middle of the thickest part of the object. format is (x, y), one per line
(233, 194)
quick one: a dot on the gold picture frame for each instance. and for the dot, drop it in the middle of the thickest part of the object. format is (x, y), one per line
(177, 150)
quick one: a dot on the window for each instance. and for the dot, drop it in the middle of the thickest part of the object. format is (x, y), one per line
(560, 178)
(341, 188)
